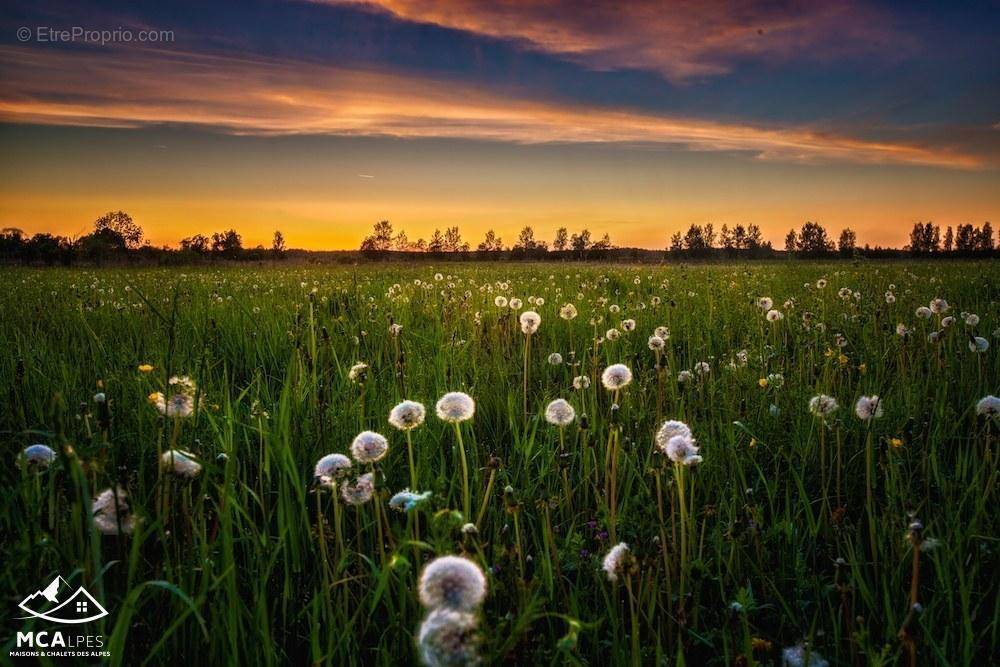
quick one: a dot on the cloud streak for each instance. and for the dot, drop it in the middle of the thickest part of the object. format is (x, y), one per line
(259, 96)
(682, 39)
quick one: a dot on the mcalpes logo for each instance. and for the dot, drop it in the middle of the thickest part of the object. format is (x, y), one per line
(59, 603)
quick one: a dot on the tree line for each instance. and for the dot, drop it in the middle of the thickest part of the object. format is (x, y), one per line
(116, 237)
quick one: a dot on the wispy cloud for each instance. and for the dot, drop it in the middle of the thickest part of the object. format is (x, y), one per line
(681, 39)
(256, 96)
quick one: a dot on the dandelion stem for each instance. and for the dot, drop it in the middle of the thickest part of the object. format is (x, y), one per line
(466, 500)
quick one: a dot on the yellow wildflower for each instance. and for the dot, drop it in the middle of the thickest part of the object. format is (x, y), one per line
(145, 368)
(762, 383)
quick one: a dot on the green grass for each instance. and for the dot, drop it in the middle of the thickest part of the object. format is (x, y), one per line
(241, 565)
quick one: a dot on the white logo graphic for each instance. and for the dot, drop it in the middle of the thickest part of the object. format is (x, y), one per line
(80, 607)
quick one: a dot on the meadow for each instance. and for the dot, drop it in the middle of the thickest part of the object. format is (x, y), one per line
(833, 501)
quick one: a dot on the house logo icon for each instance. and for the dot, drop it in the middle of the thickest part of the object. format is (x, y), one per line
(55, 603)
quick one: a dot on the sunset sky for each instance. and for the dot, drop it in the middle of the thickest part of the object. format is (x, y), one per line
(637, 119)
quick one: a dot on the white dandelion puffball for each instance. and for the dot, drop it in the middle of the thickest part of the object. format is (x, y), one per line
(988, 406)
(947, 321)
(559, 412)
(581, 382)
(923, 312)
(939, 306)
(615, 561)
(822, 405)
(358, 372)
(682, 449)
(112, 513)
(369, 447)
(662, 332)
(448, 638)
(616, 376)
(455, 407)
(331, 467)
(555, 359)
(38, 456)
(628, 325)
(178, 405)
(500, 302)
(452, 582)
(795, 656)
(821, 283)
(360, 491)
(530, 321)
(180, 463)
(765, 303)
(868, 407)
(685, 376)
(655, 343)
(406, 500)
(971, 319)
(669, 429)
(568, 312)
(774, 315)
(515, 304)
(979, 344)
(407, 415)
(702, 368)
(395, 329)
(612, 334)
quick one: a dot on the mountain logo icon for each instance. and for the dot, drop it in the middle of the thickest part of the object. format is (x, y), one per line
(55, 603)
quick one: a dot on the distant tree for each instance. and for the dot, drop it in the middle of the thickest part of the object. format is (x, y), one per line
(726, 240)
(227, 244)
(676, 243)
(401, 241)
(278, 244)
(847, 242)
(12, 242)
(695, 241)
(380, 239)
(436, 244)
(198, 243)
(580, 243)
(491, 242)
(754, 239)
(419, 245)
(925, 238)
(453, 241)
(708, 233)
(48, 248)
(986, 237)
(101, 245)
(604, 243)
(120, 223)
(791, 241)
(949, 240)
(966, 239)
(813, 240)
(562, 239)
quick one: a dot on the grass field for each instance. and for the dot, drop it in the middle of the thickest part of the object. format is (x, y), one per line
(811, 533)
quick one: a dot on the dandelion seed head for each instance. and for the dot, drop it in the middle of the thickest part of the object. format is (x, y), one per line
(796, 656)
(988, 406)
(112, 513)
(559, 412)
(868, 408)
(702, 368)
(923, 312)
(369, 447)
(668, 430)
(406, 500)
(615, 561)
(682, 449)
(530, 320)
(407, 415)
(358, 372)
(500, 301)
(616, 376)
(939, 306)
(655, 343)
(568, 312)
(37, 456)
(822, 405)
(455, 407)
(774, 315)
(453, 582)
(628, 325)
(685, 376)
(555, 359)
(515, 304)
(331, 467)
(979, 344)
(360, 491)
(448, 638)
(180, 463)
(581, 382)
(765, 303)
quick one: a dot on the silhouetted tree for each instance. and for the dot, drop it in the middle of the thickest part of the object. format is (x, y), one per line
(562, 239)
(580, 243)
(813, 240)
(227, 244)
(436, 244)
(847, 242)
(380, 239)
(986, 237)
(949, 240)
(491, 242)
(791, 241)
(453, 241)
(198, 243)
(120, 223)
(278, 244)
